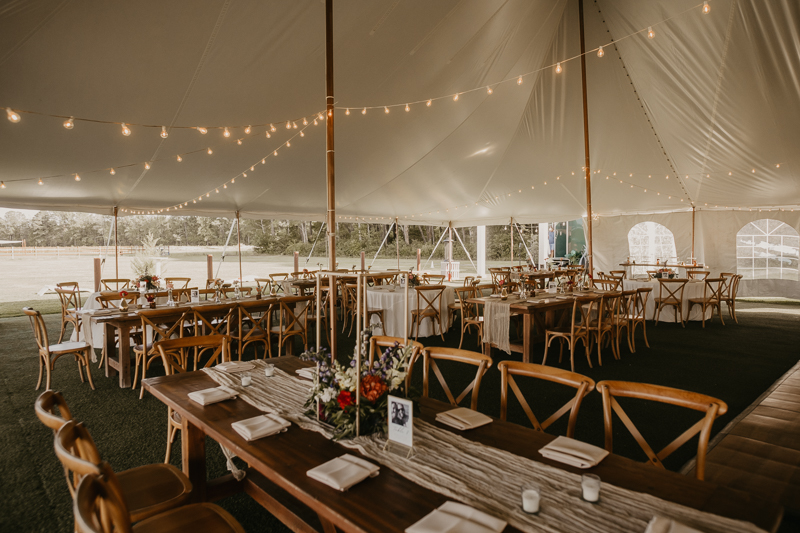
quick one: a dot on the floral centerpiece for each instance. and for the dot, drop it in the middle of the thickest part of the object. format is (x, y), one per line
(151, 280)
(333, 394)
(665, 273)
(123, 302)
(414, 280)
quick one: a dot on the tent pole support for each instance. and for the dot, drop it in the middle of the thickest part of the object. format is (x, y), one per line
(329, 103)
(397, 240)
(586, 146)
(693, 210)
(116, 244)
(239, 244)
(511, 232)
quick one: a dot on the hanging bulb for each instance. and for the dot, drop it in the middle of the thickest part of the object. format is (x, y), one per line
(180, 159)
(264, 161)
(386, 110)
(253, 168)
(209, 151)
(244, 174)
(226, 133)
(77, 178)
(302, 134)
(69, 123)
(239, 142)
(706, 8)
(489, 90)
(364, 111)
(202, 130)
(272, 128)
(320, 116)
(558, 68)
(2, 184)
(288, 125)
(288, 144)
(600, 52)
(147, 166)
(112, 171)
(650, 33)
(268, 135)
(407, 108)
(330, 113)
(294, 125)
(519, 80)
(225, 186)
(305, 121)
(247, 130)
(233, 180)
(41, 182)
(13, 116)
(315, 122)
(216, 191)
(428, 103)
(455, 97)
(275, 153)
(164, 133)
(125, 130)
(346, 112)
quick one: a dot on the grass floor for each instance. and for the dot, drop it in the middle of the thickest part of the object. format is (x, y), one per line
(735, 363)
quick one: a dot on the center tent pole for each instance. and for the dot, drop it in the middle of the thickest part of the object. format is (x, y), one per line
(116, 243)
(511, 231)
(693, 209)
(239, 244)
(397, 240)
(329, 102)
(590, 266)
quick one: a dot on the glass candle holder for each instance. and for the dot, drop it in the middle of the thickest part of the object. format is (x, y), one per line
(590, 487)
(269, 370)
(246, 379)
(531, 496)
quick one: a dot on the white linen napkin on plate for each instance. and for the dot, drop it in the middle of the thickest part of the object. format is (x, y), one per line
(235, 366)
(260, 426)
(463, 418)
(308, 372)
(452, 517)
(662, 524)
(213, 395)
(574, 452)
(344, 472)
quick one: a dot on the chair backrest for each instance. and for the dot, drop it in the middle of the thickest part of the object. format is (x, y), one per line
(608, 284)
(639, 304)
(433, 279)
(617, 274)
(108, 299)
(77, 452)
(468, 280)
(39, 329)
(294, 315)
(70, 295)
(651, 274)
(627, 301)
(609, 307)
(281, 276)
(163, 323)
(712, 407)
(697, 274)
(213, 283)
(52, 410)
(178, 283)
(583, 385)
(383, 341)
(431, 355)
(500, 274)
(671, 289)
(175, 352)
(463, 294)
(228, 292)
(218, 319)
(118, 284)
(429, 297)
(263, 284)
(714, 288)
(98, 508)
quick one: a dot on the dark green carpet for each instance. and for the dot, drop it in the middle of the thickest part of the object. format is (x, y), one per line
(735, 363)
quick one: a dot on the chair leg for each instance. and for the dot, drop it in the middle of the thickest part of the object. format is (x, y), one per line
(587, 348)
(47, 384)
(41, 370)
(546, 347)
(170, 439)
(80, 367)
(63, 328)
(462, 334)
(88, 367)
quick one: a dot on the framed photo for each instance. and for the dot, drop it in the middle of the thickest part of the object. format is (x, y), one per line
(195, 293)
(401, 421)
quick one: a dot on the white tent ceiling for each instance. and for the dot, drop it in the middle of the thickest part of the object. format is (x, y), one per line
(712, 97)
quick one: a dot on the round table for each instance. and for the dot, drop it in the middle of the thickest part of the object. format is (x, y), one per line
(693, 289)
(392, 303)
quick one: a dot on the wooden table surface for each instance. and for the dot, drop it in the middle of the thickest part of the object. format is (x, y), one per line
(389, 502)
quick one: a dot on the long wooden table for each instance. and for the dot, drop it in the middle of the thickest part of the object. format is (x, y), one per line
(389, 502)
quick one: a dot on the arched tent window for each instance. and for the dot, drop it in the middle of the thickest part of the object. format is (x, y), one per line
(767, 249)
(649, 241)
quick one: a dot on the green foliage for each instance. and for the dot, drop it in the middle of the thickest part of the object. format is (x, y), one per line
(144, 262)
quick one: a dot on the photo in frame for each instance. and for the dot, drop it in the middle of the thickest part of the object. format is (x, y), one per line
(401, 422)
(195, 293)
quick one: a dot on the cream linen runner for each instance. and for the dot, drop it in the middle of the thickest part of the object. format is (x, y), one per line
(496, 320)
(485, 478)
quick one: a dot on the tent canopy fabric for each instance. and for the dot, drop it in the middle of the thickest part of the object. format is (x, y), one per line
(704, 114)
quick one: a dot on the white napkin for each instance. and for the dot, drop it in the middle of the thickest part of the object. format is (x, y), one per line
(214, 395)
(344, 472)
(574, 452)
(452, 517)
(463, 418)
(235, 366)
(308, 373)
(661, 524)
(260, 426)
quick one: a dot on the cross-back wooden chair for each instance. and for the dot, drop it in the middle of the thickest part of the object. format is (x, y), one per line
(697, 274)
(276, 280)
(98, 509)
(651, 274)
(711, 407)
(349, 301)
(433, 279)
(254, 320)
(623, 320)
(112, 299)
(601, 324)
(429, 305)
(217, 319)
(214, 283)
(52, 410)
(376, 342)
(500, 274)
(607, 284)
(119, 284)
(157, 324)
(175, 354)
(617, 274)
(470, 318)
(468, 281)
(729, 292)
(712, 298)
(49, 353)
(670, 294)
(263, 285)
(574, 330)
(292, 320)
(431, 355)
(178, 283)
(636, 314)
(69, 294)
(228, 293)
(583, 385)
(145, 490)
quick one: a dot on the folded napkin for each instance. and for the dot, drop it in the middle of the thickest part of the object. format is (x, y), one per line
(463, 418)
(235, 366)
(214, 395)
(344, 472)
(260, 426)
(452, 517)
(574, 452)
(308, 373)
(661, 524)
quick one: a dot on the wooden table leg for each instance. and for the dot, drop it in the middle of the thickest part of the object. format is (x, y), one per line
(193, 457)
(110, 349)
(527, 340)
(124, 333)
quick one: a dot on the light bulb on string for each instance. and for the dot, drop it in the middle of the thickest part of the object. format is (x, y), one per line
(288, 144)
(225, 186)
(386, 110)
(315, 122)
(294, 125)
(519, 80)
(275, 153)
(41, 182)
(347, 111)
(233, 180)
(13, 116)
(558, 68)
(239, 142)
(244, 174)
(407, 108)
(264, 161)
(268, 135)
(147, 166)
(455, 97)
(2, 184)
(179, 158)
(226, 133)
(302, 134)
(112, 171)
(69, 123)
(164, 133)
(216, 191)
(305, 121)
(125, 130)
(253, 168)
(202, 130)
(288, 125)
(77, 178)
(600, 52)
(247, 130)
(650, 33)
(272, 128)
(364, 111)
(210, 151)
(706, 8)
(428, 103)
(489, 90)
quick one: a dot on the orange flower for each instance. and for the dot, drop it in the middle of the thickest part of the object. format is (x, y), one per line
(373, 387)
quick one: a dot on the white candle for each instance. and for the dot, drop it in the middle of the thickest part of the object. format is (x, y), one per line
(269, 370)
(246, 379)
(590, 484)
(530, 500)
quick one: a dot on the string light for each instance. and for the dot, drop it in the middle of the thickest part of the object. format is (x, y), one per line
(519, 80)
(69, 123)
(275, 153)
(264, 161)
(347, 112)
(489, 90)
(363, 112)
(706, 8)
(3, 183)
(288, 124)
(239, 142)
(202, 130)
(558, 68)
(210, 151)
(386, 110)
(650, 33)
(600, 52)
(253, 168)
(272, 128)
(41, 182)
(226, 133)
(164, 133)
(247, 130)
(268, 135)
(288, 144)
(294, 125)
(407, 108)
(302, 134)
(180, 159)
(112, 171)
(455, 97)
(315, 122)
(428, 103)
(77, 178)
(305, 121)
(125, 130)
(13, 117)
(147, 166)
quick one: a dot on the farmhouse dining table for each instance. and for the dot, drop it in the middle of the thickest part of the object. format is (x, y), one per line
(391, 502)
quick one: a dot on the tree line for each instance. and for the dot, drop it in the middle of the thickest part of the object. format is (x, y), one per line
(268, 236)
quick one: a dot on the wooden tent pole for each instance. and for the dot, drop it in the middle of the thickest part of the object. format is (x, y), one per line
(511, 230)
(693, 209)
(586, 146)
(329, 102)
(239, 244)
(116, 244)
(397, 239)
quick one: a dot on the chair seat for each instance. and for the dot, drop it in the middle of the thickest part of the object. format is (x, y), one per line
(68, 346)
(197, 518)
(703, 300)
(153, 489)
(667, 301)
(277, 330)
(426, 312)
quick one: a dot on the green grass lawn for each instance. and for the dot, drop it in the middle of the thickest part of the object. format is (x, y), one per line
(46, 307)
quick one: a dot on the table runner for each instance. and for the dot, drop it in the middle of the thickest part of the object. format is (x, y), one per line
(486, 478)
(496, 321)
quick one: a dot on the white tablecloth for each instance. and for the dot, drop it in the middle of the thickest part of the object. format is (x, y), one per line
(392, 304)
(92, 332)
(693, 289)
